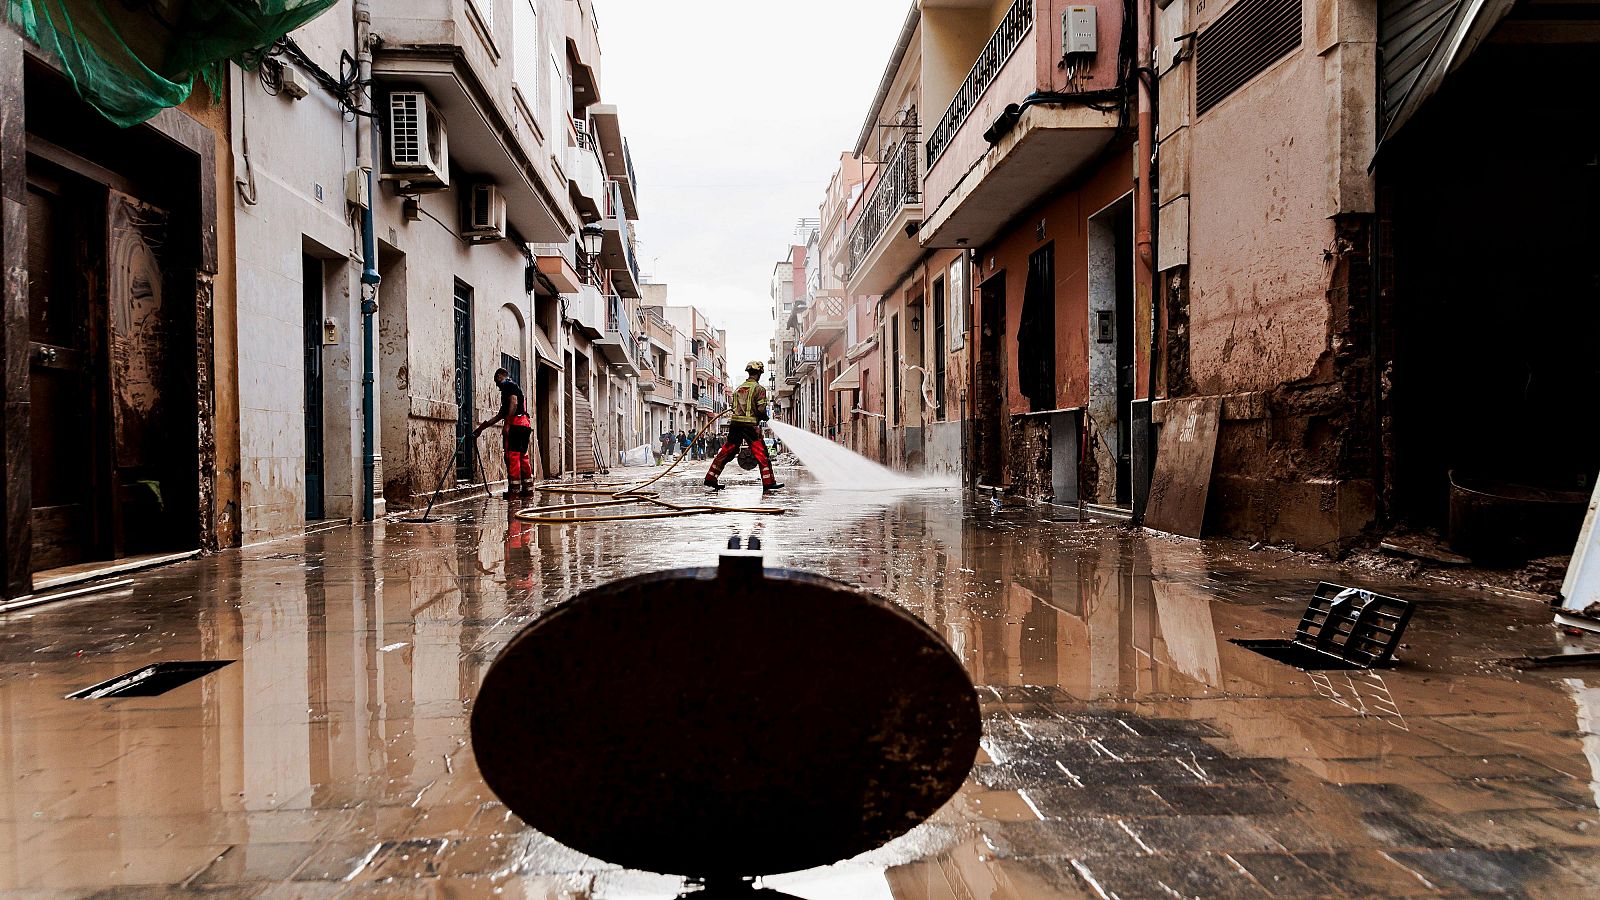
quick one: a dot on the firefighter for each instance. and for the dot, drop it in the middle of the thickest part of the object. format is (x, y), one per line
(516, 434)
(744, 427)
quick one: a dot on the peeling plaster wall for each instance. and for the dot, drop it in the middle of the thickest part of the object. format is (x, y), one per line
(284, 221)
(1270, 207)
(436, 257)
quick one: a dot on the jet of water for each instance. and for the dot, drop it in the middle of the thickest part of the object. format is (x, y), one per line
(835, 466)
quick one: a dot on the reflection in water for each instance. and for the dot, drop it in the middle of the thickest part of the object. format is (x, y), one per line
(1122, 724)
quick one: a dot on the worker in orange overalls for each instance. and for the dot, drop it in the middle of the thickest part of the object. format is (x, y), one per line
(744, 427)
(516, 436)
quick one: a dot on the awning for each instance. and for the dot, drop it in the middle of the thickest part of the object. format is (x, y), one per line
(544, 351)
(848, 380)
(1422, 41)
(861, 348)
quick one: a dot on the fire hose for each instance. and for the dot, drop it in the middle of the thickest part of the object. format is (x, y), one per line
(630, 495)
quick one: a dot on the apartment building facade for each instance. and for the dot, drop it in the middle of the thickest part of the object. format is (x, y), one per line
(398, 200)
(1297, 250)
(503, 206)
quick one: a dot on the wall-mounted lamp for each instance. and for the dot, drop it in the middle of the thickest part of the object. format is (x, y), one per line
(592, 236)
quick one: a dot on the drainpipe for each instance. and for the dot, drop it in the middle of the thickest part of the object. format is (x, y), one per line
(366, 160)
(1147, 133)
(1146, 72)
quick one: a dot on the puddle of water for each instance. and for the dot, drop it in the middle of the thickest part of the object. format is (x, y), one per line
(1126, 734)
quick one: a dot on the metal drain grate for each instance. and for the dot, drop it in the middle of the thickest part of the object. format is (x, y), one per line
(1342, 628)
(150, 681)
(1293, 654)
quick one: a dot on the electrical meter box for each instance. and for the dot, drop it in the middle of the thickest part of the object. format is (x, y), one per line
(1078, 31)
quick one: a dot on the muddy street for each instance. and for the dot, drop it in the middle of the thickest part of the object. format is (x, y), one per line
(1130, 748)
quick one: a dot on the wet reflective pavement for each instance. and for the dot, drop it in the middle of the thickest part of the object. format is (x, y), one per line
(1131, 750)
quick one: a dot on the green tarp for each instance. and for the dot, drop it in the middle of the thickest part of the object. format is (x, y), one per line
(130, 59)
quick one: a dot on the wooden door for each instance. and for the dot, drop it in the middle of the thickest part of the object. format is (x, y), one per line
(66, 397)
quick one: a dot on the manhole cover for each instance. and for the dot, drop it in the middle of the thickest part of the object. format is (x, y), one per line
(730, 722)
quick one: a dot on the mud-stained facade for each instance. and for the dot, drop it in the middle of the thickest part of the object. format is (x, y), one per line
(112, 299)
(1265, 255)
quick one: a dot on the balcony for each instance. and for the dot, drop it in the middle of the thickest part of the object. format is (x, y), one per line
(989, 159)
(558, 263)
(704, 364)
(446, 48)
(614, 152)
(881, 249)
(616, 250)
(824, 321)
(586, 177)
(617, 341)
(648, 381)
(587, 310)
(806, 360)
(704, 402)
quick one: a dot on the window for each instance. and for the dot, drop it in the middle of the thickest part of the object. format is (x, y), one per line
(485, 10)
(1241, 44)
(513, 367)
(559, 91)
(894, 366)
(526, 69)
(958, 303)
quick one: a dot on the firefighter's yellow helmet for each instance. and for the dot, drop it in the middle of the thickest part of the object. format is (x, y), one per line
(756, 366)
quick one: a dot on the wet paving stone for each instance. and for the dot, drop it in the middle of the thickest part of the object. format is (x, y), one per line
(1129, 749)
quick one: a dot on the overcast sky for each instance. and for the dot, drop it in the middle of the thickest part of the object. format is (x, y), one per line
(737, 111)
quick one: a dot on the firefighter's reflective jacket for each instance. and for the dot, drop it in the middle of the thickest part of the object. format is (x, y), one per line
(750, 403)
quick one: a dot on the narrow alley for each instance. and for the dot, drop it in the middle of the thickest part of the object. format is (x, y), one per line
(1130, 748)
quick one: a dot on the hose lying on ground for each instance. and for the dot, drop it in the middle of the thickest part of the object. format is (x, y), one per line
(627, 495)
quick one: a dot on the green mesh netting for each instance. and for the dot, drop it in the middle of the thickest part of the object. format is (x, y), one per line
(130, 59)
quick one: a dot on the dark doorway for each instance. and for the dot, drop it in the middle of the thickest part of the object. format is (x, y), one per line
(1123, 227)
(990, 392)
(463, 337)
(1036, 332)
(1106, 468)
(311, 281)
(570, 410)
(119, 368)
(543, 404)
(66, 362)
(1490, 290)
(939, 348)
(894, 367)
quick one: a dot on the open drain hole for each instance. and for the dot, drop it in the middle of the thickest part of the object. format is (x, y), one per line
(1302, 657)
(150, 681)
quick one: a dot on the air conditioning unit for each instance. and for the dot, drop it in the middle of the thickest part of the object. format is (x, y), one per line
(486, 213)
(419, 152)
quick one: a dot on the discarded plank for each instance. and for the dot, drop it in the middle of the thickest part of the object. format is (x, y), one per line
(1184, 457)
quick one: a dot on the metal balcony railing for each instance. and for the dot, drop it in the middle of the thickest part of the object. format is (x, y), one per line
(627, 159)
(899, 184)
(703, 401)
(1005, 40)
(617, 323)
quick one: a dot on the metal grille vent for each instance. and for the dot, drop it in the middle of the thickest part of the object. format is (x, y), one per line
(405, 128)
(1240, 44)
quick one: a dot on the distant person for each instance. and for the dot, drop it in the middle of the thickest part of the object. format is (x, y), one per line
(515, 435)
(683, 443)
(667, 444)
(744, 427)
